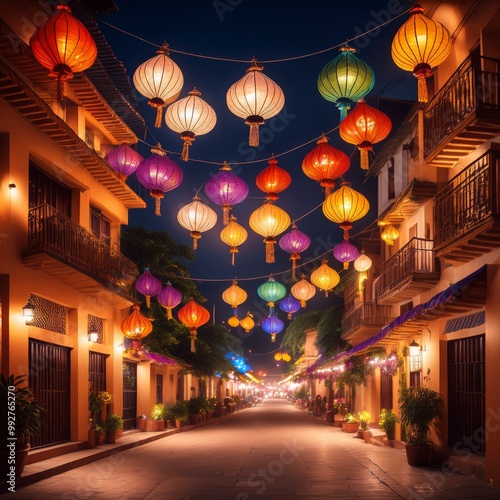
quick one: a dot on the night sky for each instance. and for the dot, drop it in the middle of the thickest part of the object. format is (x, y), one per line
(268, 30)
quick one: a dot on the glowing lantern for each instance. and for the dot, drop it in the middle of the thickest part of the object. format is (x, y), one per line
(364, 126)
(233, 235)
(273, 179)
(136, 326)
(362, 264)
(247, 323)
(419, 45)
(303, 291)
(255, 97)
(169, 297)
(233, 321)
(345, 252)
(272, 325)
(159, 174)
(345, 80)
(325, 277)
(124, 160)
(269, 221)
(226, 189)
(148, 285)
(390, 234)
(234, 296)
(197, 218)
(190, 117)
(325, 163)
(271, 291)
(290, 305)
(294, 242)
(160, 80)
(64, 46)
(286, 357)
(193, 316)
(345, 206)
(278, 356)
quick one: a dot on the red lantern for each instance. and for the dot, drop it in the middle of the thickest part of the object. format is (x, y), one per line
(364, 126)
(64, 46)
(193, 316)
(273, 179)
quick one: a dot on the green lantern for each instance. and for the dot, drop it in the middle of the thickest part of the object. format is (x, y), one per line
(271, 291)
(345, 79)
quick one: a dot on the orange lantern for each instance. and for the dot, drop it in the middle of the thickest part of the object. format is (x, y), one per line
(273, 179)
(233, 321)
(325, 277)
(325, 163)
(286, 357)
(390, 234)
(234, 296)
(419, 45)
(197, 218)
(303, 291)
(193, 316)
(269, 221)
(233, 235)
(136, 326)
(64, 46)
(247, 323)
(364, 126)
(278, 356)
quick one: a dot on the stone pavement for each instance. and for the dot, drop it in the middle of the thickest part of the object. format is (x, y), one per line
(271, 451)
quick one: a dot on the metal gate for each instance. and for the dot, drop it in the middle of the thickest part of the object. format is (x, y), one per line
(129, 395)
(466, 394)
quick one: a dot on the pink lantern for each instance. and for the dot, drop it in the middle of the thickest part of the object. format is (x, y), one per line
(169, 298)
(294, 242)
(159, 174)
(226, 189)
(273, 325)
(148, 285)
(346, 252)
(124, 160)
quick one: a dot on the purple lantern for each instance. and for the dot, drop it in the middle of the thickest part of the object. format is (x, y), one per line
(226, 189)
(148, 285)
(346, 252)
(169, 298)
(159, 174)
(294, 243)
(290, 305)
(273, 325)
(124, 160)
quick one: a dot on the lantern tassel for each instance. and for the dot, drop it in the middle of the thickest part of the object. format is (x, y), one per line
(157, 206)
(273, 337)
(364, 160)
(303, 303)
(169, 313)
(188, 141)
(157, 195)
(289, 316)
(253, 139)
(294, 257)
(158, 117)
(148, 301)
(346, 265)
(196, 235)
(270, 250)
(233, 251)
(225, 214)
(193, 338)
(422, 89)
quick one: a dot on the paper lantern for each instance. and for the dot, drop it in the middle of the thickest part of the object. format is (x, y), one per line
(273, 179)
(269, 221)
(295, 242)
(193, 316)
(325, 163)
(286, 357)
(233, 235)
(303, 291)
(325, 277)
(345, 80)
(124, 160)
(190, 117)
(345, 252)
(234, 296)
(169, 297)
(271, 291)
(362, 264)
(247, 323)
(159, 174)
(233, 322)
(136, 326)
(160, 80)
(290, 305)
(364, 126)
(272, 325)
(148, 285)
(197, 218)
(255, 97)
(278, 356)
(226, 189)
(419, 45)
(64, 46)
(390, 234)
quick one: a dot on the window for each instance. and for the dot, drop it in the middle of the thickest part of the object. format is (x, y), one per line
(391, 187)
(100, 226)
(159, 388)
(44, 189)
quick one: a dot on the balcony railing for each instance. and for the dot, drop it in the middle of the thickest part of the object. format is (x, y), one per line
(54, 233)
(366, 314)
(473, 87)
(416, 261)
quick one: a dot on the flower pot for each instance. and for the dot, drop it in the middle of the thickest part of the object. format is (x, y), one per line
(366, 435)
(350, 427)
(112, 436)
(90, 439)
(418, 455)
(338, 419)
(141, 423)
(155, 425)
(99, 438)
(178, 423)
(20, 456)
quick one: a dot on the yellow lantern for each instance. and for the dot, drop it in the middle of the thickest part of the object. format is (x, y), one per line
(234, 296)
(233, 235)
(390, 234)
(303, 291)
(362, 264)
(278, 356)
(325, 278)
(286, 357)
(136, 326)
(419, 45)
(247, 323)
(197, 218)
(233, 321)
(269, 221)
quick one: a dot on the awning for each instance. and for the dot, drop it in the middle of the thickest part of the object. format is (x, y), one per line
(459, 297)
(465, 322)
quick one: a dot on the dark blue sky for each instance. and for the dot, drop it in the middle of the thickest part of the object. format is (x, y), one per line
(268, 30)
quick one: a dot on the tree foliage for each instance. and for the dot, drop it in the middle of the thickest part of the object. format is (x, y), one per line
(295, 337)
(329, 341)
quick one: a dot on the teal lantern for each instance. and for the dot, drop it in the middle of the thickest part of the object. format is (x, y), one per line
(271, 291)
(345, 79)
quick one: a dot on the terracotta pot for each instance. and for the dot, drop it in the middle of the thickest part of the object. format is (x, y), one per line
(91, 438)
(418, 455)
(350, 427)
(178, 423)
(99, 438)
(155, 425)
(110, 437)
(19, 457)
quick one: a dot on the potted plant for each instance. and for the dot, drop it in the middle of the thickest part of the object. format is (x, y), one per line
(420, 408)
(179, 412)
(387, 422)
(350, 423)
(168, 417)
(339, 409)
(195, 409)
(156, 423)
(112, 424)
(21, 419)
(100, 434)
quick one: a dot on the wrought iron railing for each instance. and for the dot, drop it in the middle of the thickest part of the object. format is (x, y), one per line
(468, 199)
(474, 86)
(416, 257)
(366, 313)
(53, 232)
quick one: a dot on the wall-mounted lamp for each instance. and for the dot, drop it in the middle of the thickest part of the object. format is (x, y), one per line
(12, 186)
(29, 310)
(93, 336)
(414, 349)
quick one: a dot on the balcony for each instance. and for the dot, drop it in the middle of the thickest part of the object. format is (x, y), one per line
(464, 114)
(66, 251)
(409, 272)
(467, 211)
(365, 320)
